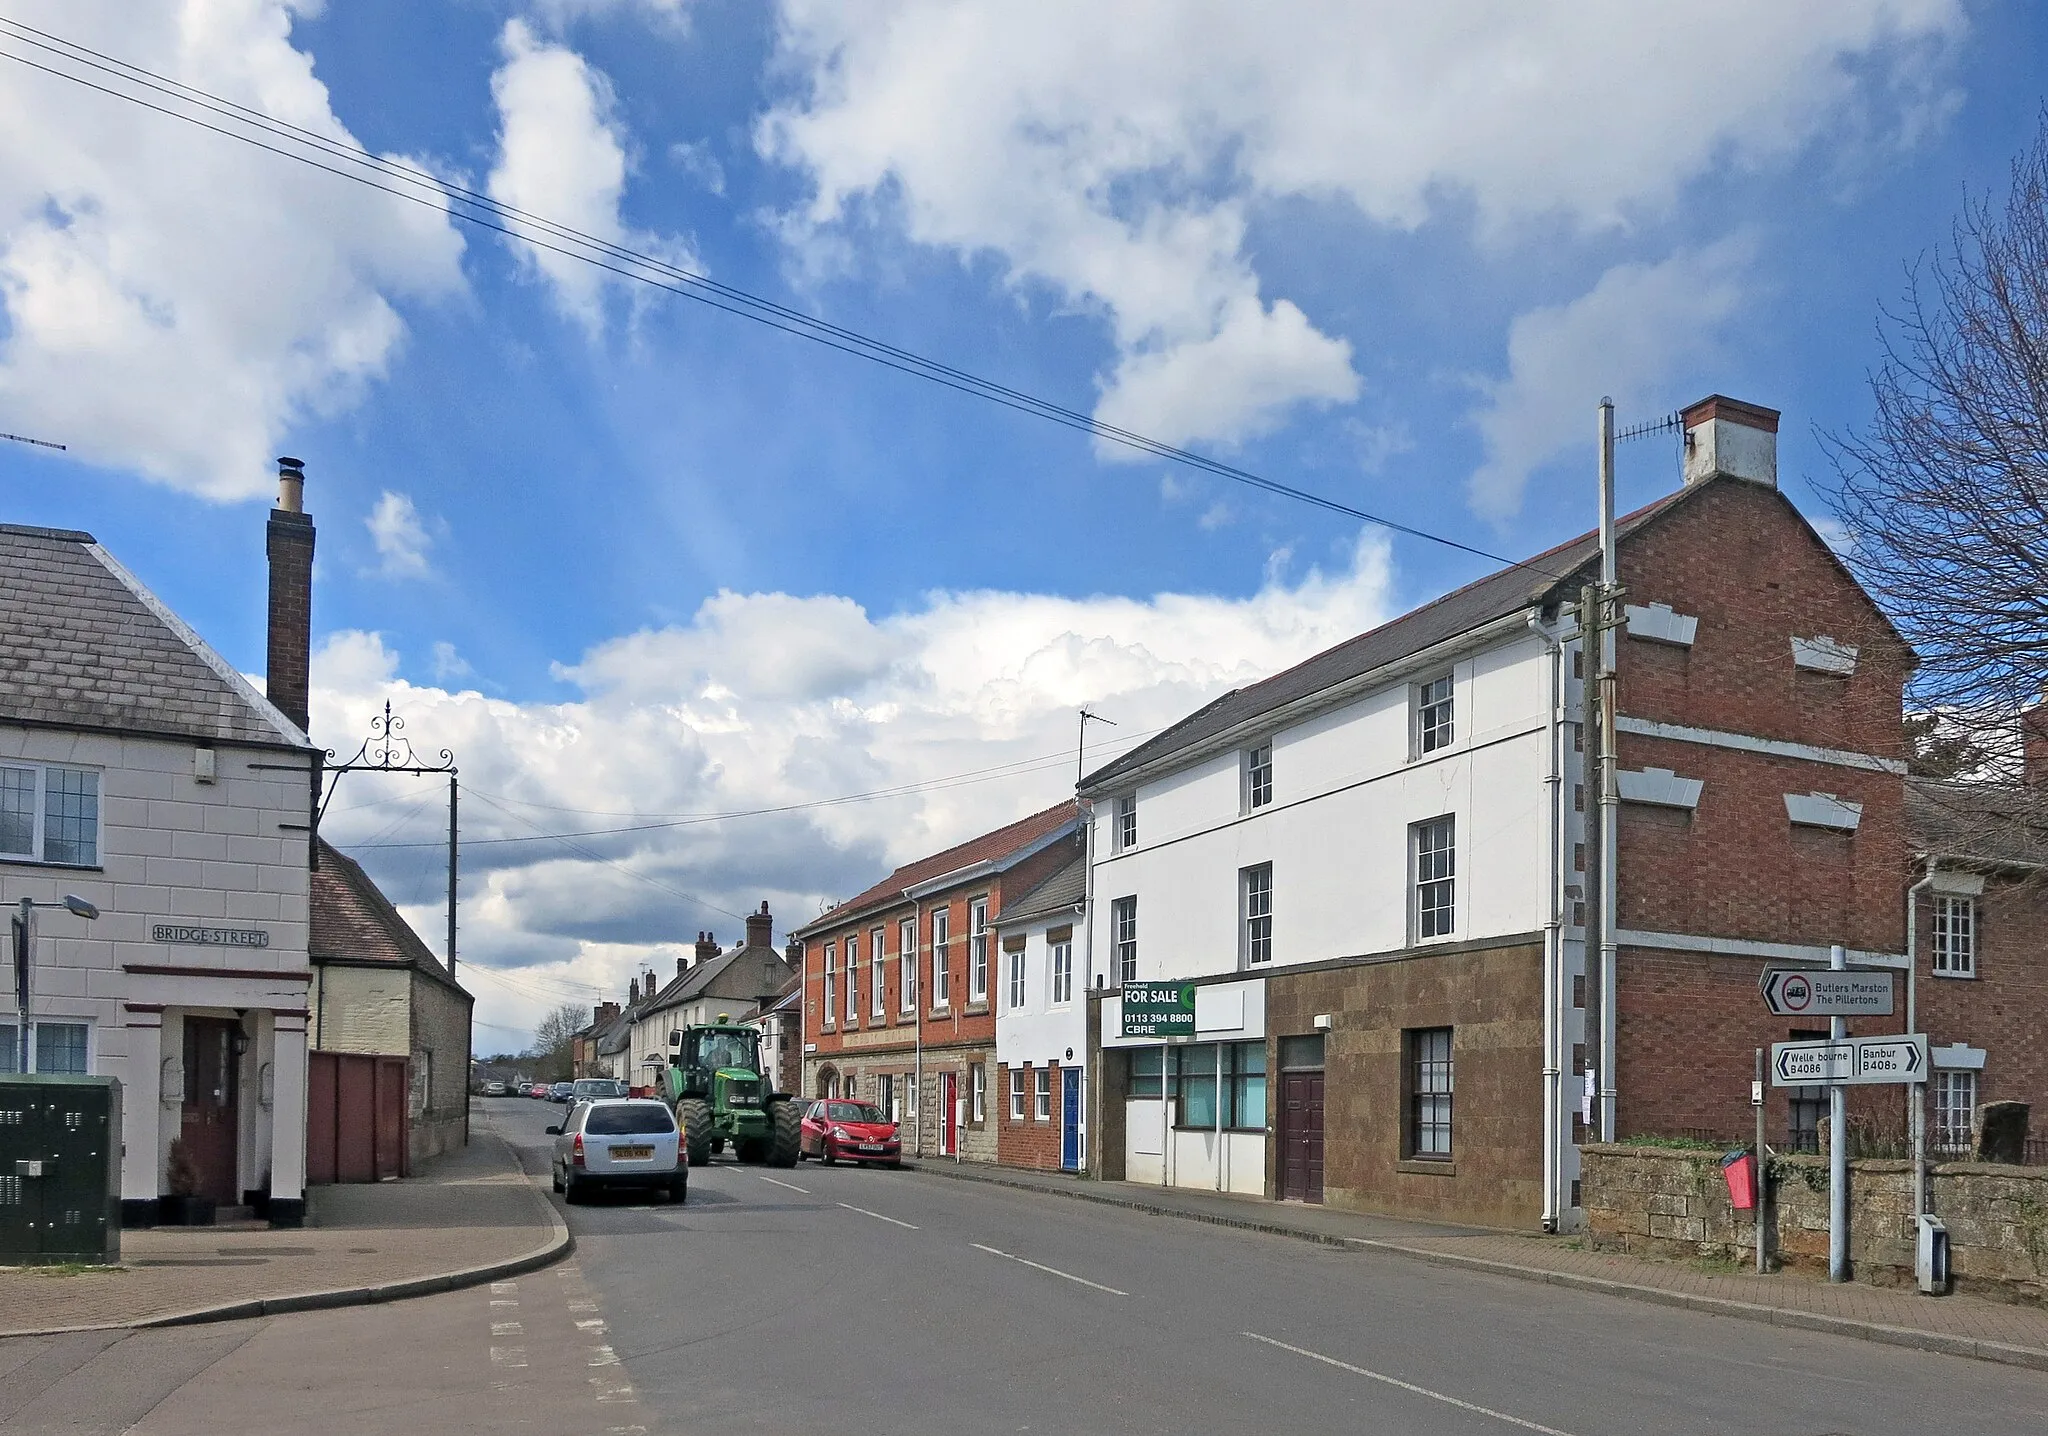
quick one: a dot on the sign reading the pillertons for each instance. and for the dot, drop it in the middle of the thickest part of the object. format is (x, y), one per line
(1159, 1009)
(188, 936)
(1815, 992)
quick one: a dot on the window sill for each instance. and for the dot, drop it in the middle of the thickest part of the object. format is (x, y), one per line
(975, 1009)
(1954, 976)
(1428, 1167)
(22, 860)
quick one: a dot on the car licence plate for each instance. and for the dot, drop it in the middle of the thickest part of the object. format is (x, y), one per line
(632, 1154)
(871, 1146)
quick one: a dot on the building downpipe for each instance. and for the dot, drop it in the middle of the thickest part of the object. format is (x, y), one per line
(1553, 955)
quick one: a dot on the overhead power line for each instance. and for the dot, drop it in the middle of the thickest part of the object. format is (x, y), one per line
(408, 182)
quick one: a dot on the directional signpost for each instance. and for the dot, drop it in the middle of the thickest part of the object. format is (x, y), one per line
(1849, 1061)
(1805, 992)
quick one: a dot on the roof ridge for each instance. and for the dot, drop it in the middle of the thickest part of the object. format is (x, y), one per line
(54, 535)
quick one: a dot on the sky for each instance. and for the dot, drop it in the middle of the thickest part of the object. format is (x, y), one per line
(711, 615)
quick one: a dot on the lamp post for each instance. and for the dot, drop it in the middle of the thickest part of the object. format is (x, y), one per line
(24, 958)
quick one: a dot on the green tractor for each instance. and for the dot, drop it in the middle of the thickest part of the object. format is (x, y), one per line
(715, 1083)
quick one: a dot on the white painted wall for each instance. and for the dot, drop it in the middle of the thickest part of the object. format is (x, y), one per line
(1041, 1031)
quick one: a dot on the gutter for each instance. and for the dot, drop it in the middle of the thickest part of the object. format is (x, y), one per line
(1553, 934)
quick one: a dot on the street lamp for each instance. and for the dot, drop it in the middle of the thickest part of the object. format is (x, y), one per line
(24, 956)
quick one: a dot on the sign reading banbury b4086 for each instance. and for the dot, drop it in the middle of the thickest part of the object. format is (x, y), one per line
(1159, 1009)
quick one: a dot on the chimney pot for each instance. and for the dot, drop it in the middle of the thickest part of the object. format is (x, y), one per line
(1726, 438)
(288, 541)
(291, 485)
(681, 964)
(707, 947)
(760, 928)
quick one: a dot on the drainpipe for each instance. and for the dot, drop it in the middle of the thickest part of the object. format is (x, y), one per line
(1916, 1092)
(1091, 1049)
(916, 961)
(1552, 936)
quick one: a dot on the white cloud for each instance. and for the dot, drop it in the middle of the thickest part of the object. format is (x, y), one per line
(1628, 337)
(446, 663)
(698, 162)
(562, 156)
(769, 699)
(1113, 154)
(176, 302)
(402, 540)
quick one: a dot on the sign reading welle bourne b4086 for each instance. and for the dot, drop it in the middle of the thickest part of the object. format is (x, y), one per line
(1159, 1009)
(1850, 1061)
(1811, 992)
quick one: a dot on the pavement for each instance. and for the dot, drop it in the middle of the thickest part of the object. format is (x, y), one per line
(473, 1216)
(1955, 1325)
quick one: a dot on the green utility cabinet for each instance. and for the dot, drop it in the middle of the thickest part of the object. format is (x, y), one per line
(60, 1170)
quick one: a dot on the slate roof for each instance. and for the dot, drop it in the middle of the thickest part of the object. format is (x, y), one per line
(1061, 892)
(1993, 823)
(755, 972)
(988, 848)
(353, 922)
(1555, 573)
(84, 645)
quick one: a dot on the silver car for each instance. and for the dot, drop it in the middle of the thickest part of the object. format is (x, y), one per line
(619, 1142)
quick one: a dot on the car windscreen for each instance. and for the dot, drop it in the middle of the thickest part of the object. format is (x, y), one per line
(628, 1118)
(591, 1088)
(853, 1112)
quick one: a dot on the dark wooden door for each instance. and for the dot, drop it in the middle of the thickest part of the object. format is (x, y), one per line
(1301, 1136)
(209, 1122)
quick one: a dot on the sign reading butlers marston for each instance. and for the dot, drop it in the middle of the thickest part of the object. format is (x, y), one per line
(1815, 992)
(186, 935)
(1159, 1009)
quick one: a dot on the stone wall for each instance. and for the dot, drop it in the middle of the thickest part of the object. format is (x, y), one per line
(1660, 1202)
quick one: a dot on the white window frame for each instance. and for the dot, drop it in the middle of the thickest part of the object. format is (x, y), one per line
(878, 1001)
(1258, 777)
(1060, 968)
(1430, 878)
(1041, 1096)
(977, 950)
(831, 983)
(906, 960)
(1123, 943)
(1015, 958)
(39, 814)
(1125, 834)
(10, 1051)
(942, 967)
(911, 1097)
(1436, 714)
(1255, 915)
(1017, 1093)
(1953, 949)
(1948, 1082)
(977, 1092)
(852, 979)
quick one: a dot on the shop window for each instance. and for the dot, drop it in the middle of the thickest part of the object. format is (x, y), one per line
(1244, 1086)
(1194, 1085)
(1147, 1064)
(1429, 1092)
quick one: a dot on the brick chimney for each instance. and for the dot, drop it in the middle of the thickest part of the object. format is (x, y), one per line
(760, 928)
(1726, 438)
(289, 542)
(632, 992)
(603, 1013)
(707, 946)
(2034, 745)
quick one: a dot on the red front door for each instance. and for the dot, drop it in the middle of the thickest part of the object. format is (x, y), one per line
(208, 1122)
(948, 1109)
(1301, 1136)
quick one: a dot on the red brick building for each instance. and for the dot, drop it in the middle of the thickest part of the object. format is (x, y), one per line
(917, 1037)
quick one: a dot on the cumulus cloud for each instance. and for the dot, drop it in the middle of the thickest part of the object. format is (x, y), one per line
(1627, 337)
(175, 302)
(402, 539)
(766, 702)
(1114, 155)
(562, 155)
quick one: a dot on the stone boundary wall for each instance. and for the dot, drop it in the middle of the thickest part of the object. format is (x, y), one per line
(1661, 1202)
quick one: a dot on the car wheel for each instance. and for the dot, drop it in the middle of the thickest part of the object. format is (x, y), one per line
(572, 1190)
(679, 1190)
(828, 1156)
(555, 1176)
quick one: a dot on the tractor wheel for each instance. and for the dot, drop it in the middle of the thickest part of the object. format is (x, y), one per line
(784, 1147)
(693, 1114)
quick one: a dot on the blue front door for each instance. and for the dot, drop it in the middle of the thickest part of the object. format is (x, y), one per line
(1070, 1118)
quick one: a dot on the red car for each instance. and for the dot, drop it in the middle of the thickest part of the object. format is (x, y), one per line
(838, 1130)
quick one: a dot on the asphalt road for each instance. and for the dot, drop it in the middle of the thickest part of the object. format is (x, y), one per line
(837, 1300)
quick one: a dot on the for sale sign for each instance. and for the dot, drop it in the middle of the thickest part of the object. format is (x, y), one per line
(1159, 1009)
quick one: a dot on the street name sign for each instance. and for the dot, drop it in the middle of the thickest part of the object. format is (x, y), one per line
(1849, 1061)
(1810, 992)
(1159, 1009)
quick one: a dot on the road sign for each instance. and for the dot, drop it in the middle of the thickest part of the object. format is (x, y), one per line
(1810, 992)
(1159, 1009)
(1849, 1061)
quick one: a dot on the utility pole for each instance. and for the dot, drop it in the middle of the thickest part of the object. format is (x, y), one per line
(1838, 1146)
(452, 832)
(1610, 793)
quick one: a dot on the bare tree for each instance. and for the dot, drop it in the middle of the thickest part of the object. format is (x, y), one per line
(554, 1040)
(1944, 495)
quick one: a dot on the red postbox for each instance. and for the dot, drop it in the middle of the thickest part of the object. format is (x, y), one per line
(1739, 1169)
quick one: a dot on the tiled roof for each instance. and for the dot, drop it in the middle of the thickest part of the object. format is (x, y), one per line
(352, 921)
(698, 978)
(1996, 823)
(988, 848)
(1062, 891)
(1538, 580)
(84, 645)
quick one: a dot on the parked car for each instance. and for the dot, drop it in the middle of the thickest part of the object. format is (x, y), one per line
(538, 1090)
(619, 1142)
(594, 1089)
(561, 1091)
(494, 1089)
(836, 1131)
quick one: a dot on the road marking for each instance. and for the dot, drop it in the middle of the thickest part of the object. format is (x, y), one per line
(878, 1216)
(1049, 1270)
(504, 1288)
(507, 1328)
(603, 1356)
(791, 1185)
(508, 1356)
(594, 1326)
(1408, 1386)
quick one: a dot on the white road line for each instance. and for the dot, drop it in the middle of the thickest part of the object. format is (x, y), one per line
(504, 1288)
(1050, 1270)
(508, 1356)
(507, 1328)
(791, 1185)
(878, 1216)
(1408, 1386)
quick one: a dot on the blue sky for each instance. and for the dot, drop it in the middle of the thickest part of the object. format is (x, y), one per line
(630, 555)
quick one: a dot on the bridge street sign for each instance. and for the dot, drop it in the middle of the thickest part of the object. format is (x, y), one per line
(1850, 1061)
(1824, 992)
(1159, 1009)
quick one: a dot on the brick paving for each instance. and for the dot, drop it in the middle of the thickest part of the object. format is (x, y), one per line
(1965, 1325)
(473, 1208)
